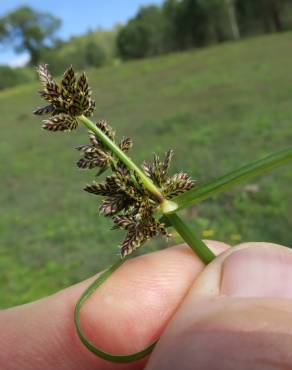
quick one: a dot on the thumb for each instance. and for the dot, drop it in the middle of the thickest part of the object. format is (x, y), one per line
(236, 315)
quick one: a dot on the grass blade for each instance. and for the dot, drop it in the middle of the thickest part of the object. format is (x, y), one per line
(222, 183)
(105, 355)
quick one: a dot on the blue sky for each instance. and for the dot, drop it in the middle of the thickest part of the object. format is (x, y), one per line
(77, 17)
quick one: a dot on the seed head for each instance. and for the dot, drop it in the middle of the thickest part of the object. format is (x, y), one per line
(124, 197)
(130, 205)
(67, 100)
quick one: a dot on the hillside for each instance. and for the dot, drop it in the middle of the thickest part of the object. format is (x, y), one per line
(218, 108)
(93, 49)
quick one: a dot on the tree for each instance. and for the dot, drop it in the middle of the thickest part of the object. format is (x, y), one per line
(230, 4)
(262, 15)
(94, 54)
(142, 36)
(29, 30)
(10, 77)
(274, 12)
(170, 11)
(218, 25)
(192, 24)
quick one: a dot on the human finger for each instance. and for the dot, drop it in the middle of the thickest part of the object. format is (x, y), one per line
(124, 315)
(236, 315)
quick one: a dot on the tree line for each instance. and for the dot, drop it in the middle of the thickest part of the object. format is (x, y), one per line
(182, 24)
(175, 25)
(35, 33)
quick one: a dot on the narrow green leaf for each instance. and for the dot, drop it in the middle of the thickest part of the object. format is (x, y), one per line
(105, 355)
(222, 183)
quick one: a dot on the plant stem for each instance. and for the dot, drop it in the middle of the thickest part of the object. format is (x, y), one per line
(188, 235)
(123, 157)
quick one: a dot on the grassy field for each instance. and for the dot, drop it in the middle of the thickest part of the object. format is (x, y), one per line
(218, 108)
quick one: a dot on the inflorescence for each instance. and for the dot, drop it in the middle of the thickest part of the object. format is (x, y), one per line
(125, 199)
(67, 100)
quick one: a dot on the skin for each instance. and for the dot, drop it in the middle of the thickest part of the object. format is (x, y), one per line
(234, 313)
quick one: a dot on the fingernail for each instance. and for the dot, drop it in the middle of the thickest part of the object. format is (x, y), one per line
(258, 272)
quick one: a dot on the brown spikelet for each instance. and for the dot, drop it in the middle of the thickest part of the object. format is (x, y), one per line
(106, 128)
(126, 144)
(69, 80)
(75, 107)
(82, 85)
(72, 123)
(45, 110)
(84, 104)
(122, 169)
(134, 239)
(47, 96)
(147, 169)
(93, 140)
(92, 162)
(112, 205)
(167, 161)
(112, 183)
(157, 175)
(130, 192)
(86, 149)
(177, 184)
(53, 90)
(123, 222)
(155, 171)
(60, 122)
(98, 189)
(160, 229)
(44, 74)
(91, 108)
(144, 210)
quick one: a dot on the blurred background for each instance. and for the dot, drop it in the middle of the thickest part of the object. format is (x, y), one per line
(211, 79)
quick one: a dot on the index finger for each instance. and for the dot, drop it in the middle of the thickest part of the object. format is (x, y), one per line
(125, 314)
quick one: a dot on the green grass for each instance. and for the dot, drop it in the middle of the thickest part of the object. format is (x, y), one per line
(219, 108)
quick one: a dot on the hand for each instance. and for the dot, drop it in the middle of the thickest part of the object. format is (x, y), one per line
(235, 313)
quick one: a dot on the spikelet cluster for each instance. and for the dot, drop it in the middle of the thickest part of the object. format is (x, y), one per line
(65, 101)
(124, 197)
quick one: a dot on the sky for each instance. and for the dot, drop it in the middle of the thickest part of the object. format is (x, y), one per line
(78, 16)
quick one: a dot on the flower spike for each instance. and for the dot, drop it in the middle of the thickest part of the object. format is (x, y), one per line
(125, 196)
(68, 100)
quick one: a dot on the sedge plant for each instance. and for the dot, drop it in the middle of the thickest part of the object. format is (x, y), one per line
(143, 201)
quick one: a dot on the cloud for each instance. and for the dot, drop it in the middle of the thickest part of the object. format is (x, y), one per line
(19, 61)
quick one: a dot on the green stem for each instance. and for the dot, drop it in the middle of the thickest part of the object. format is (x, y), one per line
(188, 235)
(123, 157)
